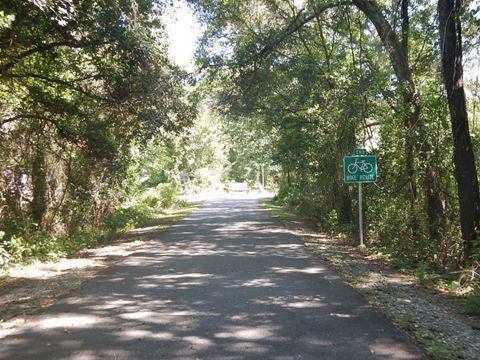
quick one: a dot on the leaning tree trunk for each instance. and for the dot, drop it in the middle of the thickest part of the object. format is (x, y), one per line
(463, 156)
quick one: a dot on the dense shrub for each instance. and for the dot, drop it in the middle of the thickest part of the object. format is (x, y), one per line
(168, 195)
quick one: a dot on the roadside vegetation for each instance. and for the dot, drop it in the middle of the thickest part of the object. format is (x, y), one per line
(84, 87)
(99, 131)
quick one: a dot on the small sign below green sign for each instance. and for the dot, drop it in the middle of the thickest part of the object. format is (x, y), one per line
(360, 152)
(359, 169)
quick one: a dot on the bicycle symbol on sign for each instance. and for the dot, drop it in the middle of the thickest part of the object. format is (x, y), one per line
(360, 165)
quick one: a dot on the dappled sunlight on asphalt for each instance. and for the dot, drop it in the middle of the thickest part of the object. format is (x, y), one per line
(227, 282)
(312, 270)
(68, 320)
(249, 333)
(262, 282)
(294, 301)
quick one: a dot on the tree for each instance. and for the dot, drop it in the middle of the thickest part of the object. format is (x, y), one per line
(80, 83)
(314, 76)
(450, 29)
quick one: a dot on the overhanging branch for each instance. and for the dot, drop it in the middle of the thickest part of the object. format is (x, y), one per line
(298, 22)
(46, 47)
(68, 84)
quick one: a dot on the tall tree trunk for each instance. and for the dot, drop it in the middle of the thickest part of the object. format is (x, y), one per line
(463, 156)
(411, 109)
(398, 54)
(435, 210)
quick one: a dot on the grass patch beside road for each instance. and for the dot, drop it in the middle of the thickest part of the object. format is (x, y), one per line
(280, 211)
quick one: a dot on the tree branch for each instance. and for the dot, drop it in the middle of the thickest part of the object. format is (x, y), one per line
(68, 84)
(298, 22)
(46, 47)
(19, 117)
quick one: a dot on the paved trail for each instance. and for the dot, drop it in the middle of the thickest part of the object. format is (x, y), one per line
(228, 282)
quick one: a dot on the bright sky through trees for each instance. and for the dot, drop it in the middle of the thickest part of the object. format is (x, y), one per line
(183, 31)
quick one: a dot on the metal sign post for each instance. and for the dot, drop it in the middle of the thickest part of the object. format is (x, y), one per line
(360, 169)
(360, 213)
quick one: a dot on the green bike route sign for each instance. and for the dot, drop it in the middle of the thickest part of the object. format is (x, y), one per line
(359, 169)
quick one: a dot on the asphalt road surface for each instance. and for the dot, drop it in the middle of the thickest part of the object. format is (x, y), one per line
(228, 282)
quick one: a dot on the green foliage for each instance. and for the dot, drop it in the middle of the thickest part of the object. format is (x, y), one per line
(473, 304)
(26, 243)
(332, 221)
(29, 244)
(17, 249)
(403, 263)
(441, 352)
(127, 218)
(80, 237)
(159, 198)
(168, 195)
(424, 276)
(299, 97)
(81, 85)
(143, 208)
(283, 190)
(205, 156)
